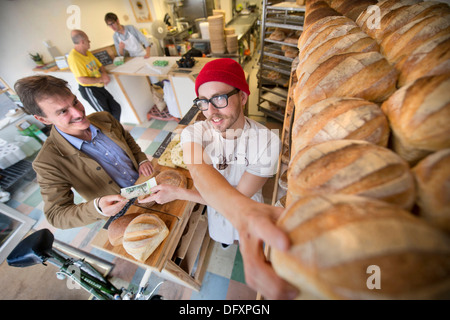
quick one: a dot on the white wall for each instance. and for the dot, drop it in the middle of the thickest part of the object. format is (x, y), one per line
(25, 24)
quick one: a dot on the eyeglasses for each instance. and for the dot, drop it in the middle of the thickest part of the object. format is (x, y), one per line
(219, 102)
(111, 23)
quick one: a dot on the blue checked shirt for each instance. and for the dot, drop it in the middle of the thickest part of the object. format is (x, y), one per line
(108, 154)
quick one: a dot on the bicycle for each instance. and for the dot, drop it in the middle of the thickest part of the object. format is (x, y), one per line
(37, 248)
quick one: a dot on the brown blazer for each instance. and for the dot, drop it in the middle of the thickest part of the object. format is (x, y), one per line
(60, 167)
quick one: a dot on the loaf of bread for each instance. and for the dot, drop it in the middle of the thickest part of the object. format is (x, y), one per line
(172, 177)
(339, 118)
(432, 176)
(277, 35)
(291, 52)
(365, 75)
(143, 235)
(430, 58)
(318, 31)
(351, 8)
(117, 228)
(407, 38)
(352, 247)
(342, 39)
(419, 115)
(351, 167)
(391, 15)
(317, 10)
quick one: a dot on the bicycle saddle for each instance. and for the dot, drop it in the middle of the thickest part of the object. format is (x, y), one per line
(32, 250)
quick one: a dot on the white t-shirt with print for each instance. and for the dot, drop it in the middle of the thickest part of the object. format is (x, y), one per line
(255, 151)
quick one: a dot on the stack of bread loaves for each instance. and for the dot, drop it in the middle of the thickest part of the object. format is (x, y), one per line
(361, 204)
(414, 36)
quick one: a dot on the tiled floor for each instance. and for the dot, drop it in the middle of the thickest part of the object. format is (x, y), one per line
(224, 278)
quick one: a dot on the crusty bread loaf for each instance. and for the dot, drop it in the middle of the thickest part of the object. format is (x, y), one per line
(324, 32)
(342, 39)
(277, 35)
(351, 167)
(351, 247)
(419, 115)
(364, 75)
(143, 235)
(351, 8)
(393, 14)
(317, 10)
(406, 39)
(339, 118)
(432, 176)
(319, 30)
(117, 228)
(430, 58)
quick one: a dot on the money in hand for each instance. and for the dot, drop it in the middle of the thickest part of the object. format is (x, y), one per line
(138, 190)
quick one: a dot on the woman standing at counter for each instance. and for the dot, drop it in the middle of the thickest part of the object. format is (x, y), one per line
(128, 38)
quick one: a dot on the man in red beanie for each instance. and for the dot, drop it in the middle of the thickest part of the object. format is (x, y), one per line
(230, 157)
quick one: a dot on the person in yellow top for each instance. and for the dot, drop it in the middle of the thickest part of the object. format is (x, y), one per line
(91, 76)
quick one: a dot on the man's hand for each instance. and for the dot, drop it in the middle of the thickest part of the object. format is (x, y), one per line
(259, 229)
(105, 78)
(145, 169)
(112, 204)
(147, 53)
(162, 193)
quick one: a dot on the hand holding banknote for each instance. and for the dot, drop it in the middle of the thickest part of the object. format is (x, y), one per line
(112, 204)
(138, 190)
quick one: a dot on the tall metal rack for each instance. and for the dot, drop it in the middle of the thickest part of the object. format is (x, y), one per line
(273, 91)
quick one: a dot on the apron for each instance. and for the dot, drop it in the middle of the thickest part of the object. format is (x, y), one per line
(133, 46)
(220, 229)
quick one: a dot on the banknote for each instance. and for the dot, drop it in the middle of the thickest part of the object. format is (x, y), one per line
(138, 190)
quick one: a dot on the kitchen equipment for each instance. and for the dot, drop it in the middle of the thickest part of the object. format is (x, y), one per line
(159, 31)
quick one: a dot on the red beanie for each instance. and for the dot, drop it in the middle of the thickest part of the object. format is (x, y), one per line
(223, 70)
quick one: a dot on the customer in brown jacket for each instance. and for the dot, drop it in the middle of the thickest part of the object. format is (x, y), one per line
(92, 154)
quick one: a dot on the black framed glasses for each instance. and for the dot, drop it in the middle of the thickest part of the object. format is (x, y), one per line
(219, 102)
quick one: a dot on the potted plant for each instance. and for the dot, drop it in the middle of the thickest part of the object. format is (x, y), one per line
(37, 58)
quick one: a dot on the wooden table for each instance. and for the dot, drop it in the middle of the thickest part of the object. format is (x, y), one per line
(187, 242)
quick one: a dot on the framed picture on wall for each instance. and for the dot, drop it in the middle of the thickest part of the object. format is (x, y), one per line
(141, 10)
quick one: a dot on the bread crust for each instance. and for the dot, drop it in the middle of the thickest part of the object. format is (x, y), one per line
(143, 235)
(351, 167)
(335, 238)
